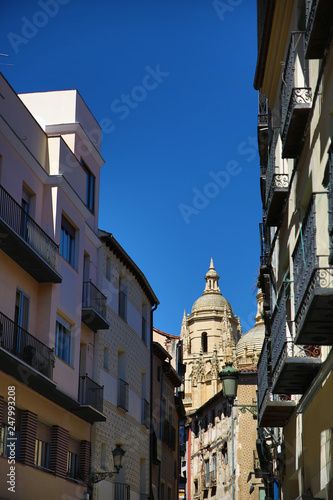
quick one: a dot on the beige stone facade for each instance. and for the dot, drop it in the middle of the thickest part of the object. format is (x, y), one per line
(221, 440)
(294, 80)
(123, 361)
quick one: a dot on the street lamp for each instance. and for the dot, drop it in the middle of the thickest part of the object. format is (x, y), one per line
(229, 379)
(118, 461)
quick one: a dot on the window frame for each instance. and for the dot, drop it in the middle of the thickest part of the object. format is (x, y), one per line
(59, 350)
(68, 241)
(90, 187)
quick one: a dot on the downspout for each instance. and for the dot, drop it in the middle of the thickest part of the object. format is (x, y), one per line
(161, 426)
(151, 400)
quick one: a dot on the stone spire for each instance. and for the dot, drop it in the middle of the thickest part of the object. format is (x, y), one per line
(259, 319)
(212, 280)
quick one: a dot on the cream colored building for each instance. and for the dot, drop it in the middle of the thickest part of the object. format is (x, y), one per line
(123, 357)
(221, 441)
(294, 78)
(50, 305)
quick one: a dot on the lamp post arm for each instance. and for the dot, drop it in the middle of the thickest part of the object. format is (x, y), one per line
(251, 408)
(96, 477)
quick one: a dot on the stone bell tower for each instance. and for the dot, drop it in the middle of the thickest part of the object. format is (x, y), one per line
(210, 334)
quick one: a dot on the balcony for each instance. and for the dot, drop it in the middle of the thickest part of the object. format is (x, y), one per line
(263, 131)
(94, 307)
(17, 345)
(145, 413)
(313, 279)
(122, 394)
(296, 368)
(273, 409)
(319, 19)
(26, 243)
(121, 491)
(277, 186)
(212, 477)
(293, 366)
(296, 97)
(91, 400)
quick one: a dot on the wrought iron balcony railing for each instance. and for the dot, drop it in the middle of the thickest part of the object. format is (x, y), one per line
(277, 185)
(263, 127)
(295, 368)
(330, 203)
(94, 307)
(145, 416)
(313, 278)
(279, 325)
(22, 233)
(319, 16)
(263, 374)
(296, 96)
(121, 491)
(90, 393)
(25, 346)
(123, 390)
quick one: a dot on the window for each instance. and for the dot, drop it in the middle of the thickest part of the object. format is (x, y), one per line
(67, 241)
(207, 472)
(73, 463)
(63, 340)
(103, 456)
(21, 320)
(108, 269)
(123, 298)
(204, 342)
(42, 454)
(213, 471)
(90, 187)
(224, 451)
(106, 359)
(25, 215)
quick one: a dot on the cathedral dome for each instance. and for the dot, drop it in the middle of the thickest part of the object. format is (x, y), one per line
(212, 299)
(249, 346)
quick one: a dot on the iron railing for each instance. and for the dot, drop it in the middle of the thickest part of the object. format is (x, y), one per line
(305, 258)
(330, 202)
(274, 178)
(279, 326)
(145, 414)
(90, 393)
(294, 91)
(263, 381)
(25, 346)
(262, 109)
(321, 278)
(291, 350)
(24, 226)
(121, 491)
(122, 394)
(94, 298)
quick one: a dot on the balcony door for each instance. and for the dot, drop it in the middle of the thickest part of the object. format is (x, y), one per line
(25, 214)
(21, 320)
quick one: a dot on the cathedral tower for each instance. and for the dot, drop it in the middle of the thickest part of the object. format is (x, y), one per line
(209, 334)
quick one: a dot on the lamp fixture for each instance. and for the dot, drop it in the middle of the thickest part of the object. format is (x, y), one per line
(229, 379)
(118, 461)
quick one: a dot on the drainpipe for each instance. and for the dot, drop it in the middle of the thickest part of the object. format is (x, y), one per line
(161, 427)
(151, 399)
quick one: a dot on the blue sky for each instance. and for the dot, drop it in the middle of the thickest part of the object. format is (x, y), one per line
(171, 83)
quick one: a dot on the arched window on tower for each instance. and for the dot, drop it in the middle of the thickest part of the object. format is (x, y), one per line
(204, 341)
